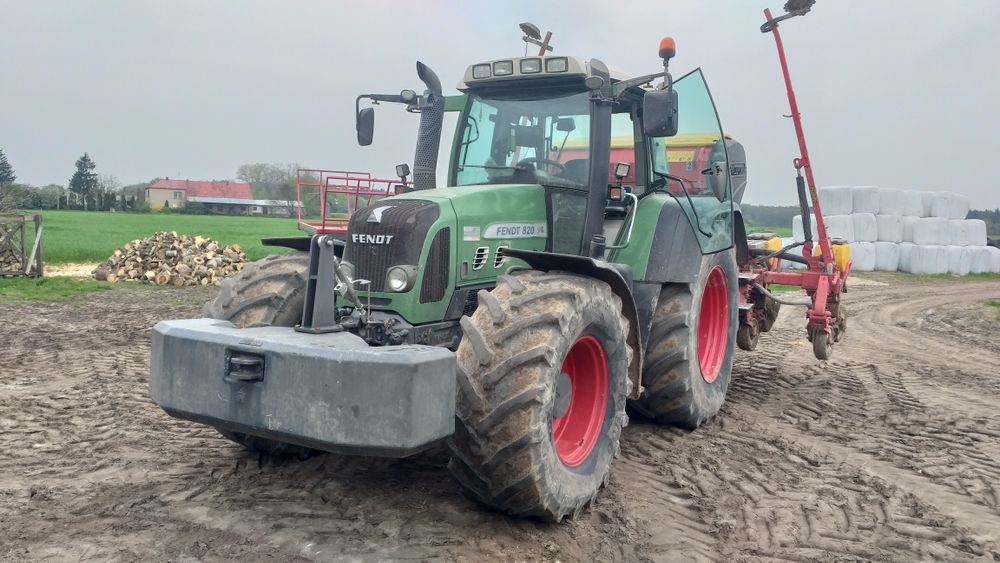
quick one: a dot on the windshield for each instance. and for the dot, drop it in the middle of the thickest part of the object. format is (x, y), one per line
(544, 141)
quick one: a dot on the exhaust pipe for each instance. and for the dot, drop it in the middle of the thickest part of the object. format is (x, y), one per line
(429, 133)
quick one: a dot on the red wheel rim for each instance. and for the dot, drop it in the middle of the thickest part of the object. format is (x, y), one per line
(713, 324)
(576, 432)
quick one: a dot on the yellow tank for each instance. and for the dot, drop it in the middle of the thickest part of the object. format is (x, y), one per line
(766, 242)
(841, 253)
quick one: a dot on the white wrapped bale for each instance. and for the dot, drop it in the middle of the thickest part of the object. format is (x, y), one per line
(797, 233)
(836, 200)
(950, 206)
(838, 226)
(890, 228)
(966, 232)
(994, 259)
(886, 256)
(788, 264)
(958, 260)
(891, 201)
(977, 232)
(927, 199)
(913, 204)
(908, 223)
(862, 256)
(905, 251)
(928, 259)
(959, 206)
(979, 259)
(865, 199)
(865, 227)
(930, 230)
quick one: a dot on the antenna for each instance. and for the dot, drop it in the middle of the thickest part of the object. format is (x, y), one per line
(533, 36)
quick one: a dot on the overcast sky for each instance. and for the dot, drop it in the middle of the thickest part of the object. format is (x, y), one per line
(897, 93)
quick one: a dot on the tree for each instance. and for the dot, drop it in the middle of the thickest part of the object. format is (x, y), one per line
(84, 180)
(108, 188)
(49, 196)
(270, 181)
(7, 175)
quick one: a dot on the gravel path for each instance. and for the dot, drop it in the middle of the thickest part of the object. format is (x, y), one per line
(887, 452)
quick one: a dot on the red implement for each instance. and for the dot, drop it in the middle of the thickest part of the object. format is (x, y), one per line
(823, 280)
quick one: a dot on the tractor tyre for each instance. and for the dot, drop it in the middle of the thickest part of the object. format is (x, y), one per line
(542, 386)
(689, 355)
(268, 292)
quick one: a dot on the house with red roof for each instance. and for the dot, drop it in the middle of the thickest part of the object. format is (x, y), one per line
(221, 197)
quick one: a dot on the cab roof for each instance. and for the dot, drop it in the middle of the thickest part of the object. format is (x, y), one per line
(512, 69)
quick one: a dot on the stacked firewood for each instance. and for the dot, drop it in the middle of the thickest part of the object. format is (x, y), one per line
(9, 262)
(167, 258)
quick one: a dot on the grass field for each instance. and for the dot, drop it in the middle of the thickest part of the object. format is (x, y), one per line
(780, 231)
(78, 236)
(47, 289)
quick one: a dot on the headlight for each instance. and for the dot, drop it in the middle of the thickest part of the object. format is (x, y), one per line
(556, 64)
(400, 278)
(503, 68)
(530, 66)
(481, 71)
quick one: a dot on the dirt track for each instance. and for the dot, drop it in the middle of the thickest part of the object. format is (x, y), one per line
(891, 451)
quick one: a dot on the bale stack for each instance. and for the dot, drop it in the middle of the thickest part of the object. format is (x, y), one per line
(905, 230)
(166, 258)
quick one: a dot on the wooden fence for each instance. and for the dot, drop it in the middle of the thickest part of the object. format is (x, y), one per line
(20, 255)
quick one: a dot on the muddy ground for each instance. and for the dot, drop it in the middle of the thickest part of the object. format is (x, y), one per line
(889, 452)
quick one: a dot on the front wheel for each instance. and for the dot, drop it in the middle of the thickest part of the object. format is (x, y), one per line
(543, 377)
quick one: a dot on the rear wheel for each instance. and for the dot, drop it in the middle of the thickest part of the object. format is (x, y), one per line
(543, 377)
(689, 358)
(269, 292)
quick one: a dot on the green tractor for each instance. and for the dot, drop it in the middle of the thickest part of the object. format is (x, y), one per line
(582, 261)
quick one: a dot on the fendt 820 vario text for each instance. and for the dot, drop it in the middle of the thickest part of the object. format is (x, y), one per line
(585, 255)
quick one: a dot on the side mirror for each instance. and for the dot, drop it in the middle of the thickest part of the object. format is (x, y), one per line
(719, 178)
(366, 126)
(565, 124)
(659, 113)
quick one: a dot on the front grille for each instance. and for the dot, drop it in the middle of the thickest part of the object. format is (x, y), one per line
(371, 250)
(435, 280)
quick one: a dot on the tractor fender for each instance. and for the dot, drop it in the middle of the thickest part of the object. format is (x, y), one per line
(740, 238)
(303, 244)
(674, 252)
(615, 276)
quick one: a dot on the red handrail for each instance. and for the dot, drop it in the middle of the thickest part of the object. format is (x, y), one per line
(358, 189)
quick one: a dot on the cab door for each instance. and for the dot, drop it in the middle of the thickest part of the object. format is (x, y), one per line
(697, 156)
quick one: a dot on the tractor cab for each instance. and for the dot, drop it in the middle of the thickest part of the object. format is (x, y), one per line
(595, 138)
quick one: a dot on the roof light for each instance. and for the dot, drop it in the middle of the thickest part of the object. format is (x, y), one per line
(503, 68)
(667, 48)
(531, 66)
(556, 64)
(481, 71)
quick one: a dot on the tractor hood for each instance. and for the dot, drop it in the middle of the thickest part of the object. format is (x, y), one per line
(448, 238)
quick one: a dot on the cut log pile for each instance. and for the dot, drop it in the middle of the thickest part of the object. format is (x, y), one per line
(167, 258)
(9, 262)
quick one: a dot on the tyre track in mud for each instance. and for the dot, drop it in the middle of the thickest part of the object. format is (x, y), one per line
(887, 452)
